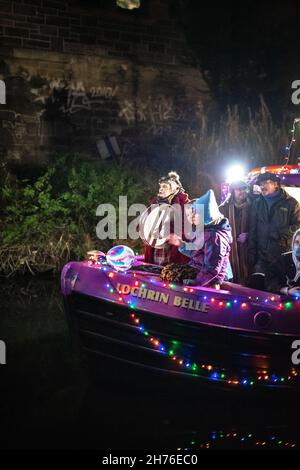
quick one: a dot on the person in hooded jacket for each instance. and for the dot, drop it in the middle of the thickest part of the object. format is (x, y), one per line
(283, 276)
(209, 254)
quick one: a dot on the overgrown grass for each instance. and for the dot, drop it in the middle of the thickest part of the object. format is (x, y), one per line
(206, 150)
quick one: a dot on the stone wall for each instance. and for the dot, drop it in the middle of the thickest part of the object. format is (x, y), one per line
(77, 72)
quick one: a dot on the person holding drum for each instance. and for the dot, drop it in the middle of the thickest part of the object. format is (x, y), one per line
(170, 194)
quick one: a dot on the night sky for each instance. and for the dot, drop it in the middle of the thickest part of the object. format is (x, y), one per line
(247, 48)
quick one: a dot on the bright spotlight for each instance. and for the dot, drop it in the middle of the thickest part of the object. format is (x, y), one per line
(129, 4)
(235, 173)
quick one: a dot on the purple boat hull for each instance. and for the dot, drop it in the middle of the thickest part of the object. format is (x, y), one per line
(235, 337)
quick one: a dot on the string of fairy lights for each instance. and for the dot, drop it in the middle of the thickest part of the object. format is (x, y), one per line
(217, 299)
(289, 147)
(206, 371)
(238, 439)
(209, 371)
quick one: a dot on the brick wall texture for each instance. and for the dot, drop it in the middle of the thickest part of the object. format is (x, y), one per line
(78, 71)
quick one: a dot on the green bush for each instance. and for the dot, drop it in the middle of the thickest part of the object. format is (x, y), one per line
(46, 221)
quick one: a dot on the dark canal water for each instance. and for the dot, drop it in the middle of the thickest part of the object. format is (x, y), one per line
(48, 401)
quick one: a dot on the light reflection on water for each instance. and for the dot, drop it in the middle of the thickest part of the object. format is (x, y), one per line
(47, 401)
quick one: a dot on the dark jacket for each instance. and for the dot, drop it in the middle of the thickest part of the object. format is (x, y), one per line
(281, 274)
(271, 232)
(238, 217)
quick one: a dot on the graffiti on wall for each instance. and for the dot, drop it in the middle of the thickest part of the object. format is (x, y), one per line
(74, 97)
(157, 112)
(22, 126)
(16, 129)
(49, 110)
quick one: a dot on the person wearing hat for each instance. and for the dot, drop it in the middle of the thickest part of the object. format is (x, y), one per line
(170, 192)
(237, 210)
(209, 255)
(274, 218)
(283, 276)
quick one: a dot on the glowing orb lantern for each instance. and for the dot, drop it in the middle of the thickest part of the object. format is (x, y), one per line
(120, 257)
